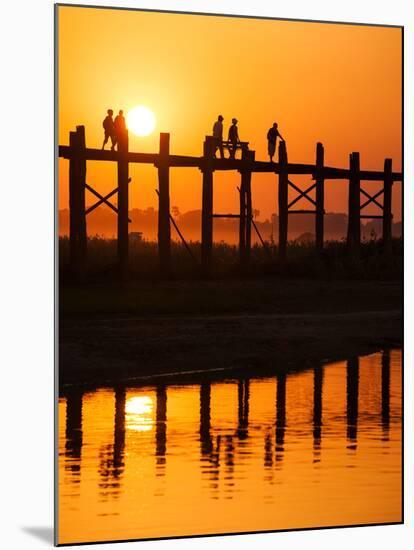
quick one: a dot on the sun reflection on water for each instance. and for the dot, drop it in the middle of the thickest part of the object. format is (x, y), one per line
(290, 446)
(138, 411)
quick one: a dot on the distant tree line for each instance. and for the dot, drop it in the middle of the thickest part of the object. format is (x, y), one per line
(103, 222)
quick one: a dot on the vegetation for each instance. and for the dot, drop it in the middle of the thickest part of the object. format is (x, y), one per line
(302, 261)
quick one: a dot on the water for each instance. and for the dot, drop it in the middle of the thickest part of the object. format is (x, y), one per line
(314, 448)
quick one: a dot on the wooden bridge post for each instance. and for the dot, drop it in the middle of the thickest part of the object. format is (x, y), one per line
(164, 230)
(320, 199)
(77, 216)
(207, 206)
(123, 205)
(387, 205)
(242, 222)
(245, 225)
(249, 210)
(283, 200)
(354, 219)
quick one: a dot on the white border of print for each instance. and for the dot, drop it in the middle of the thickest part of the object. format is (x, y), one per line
(26, 276)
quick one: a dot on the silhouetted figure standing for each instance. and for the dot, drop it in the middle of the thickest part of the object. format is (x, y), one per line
(109, 130)
(218, 136)
(233, 138)
(272, 136)
(119, 126)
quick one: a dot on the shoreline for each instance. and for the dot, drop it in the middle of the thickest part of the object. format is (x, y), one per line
(140, 349)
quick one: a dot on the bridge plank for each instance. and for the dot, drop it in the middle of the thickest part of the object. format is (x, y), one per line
(65, 151)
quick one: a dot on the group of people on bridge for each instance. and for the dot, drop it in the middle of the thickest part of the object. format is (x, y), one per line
(233, 143)
(113, 129)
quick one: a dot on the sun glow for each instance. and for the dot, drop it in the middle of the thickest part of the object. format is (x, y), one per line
(138, 411)
(141, 120)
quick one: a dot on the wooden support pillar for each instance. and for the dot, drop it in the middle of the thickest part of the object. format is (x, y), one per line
(387, 213)
(249, 212)
(77, 219)
(207, 206)
(320, 198)
(123, 205)
(283, 200)
(354, 220)
(164, 230)
(242, 222)
(73, 204)
(245, 225)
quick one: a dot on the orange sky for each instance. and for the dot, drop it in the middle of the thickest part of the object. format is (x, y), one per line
(338, 84)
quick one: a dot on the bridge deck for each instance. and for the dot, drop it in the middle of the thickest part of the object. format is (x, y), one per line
(221, 164)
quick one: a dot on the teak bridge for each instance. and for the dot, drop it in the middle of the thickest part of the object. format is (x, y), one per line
(78, 155)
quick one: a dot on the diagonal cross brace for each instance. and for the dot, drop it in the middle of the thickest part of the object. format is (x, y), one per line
(103, 199)
(303, 194)
(371, 199)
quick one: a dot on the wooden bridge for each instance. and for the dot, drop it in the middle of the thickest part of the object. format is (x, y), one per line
(78, 155)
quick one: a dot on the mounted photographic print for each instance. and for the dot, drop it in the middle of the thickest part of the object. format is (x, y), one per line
(229, 245)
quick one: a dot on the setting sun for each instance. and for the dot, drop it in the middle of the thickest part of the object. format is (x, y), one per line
(141, 120)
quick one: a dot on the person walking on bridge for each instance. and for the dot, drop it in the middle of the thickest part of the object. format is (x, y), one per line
(218, 136)
(109, 130)
(272, 136)
(233, 137)
(120, 127)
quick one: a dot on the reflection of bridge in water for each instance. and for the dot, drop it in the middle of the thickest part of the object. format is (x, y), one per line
(219, 452)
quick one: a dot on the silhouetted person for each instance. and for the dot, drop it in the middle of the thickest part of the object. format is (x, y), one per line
(119, 126)
(233, 138)
(109, 130)
(218, 135)
(272, 136)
